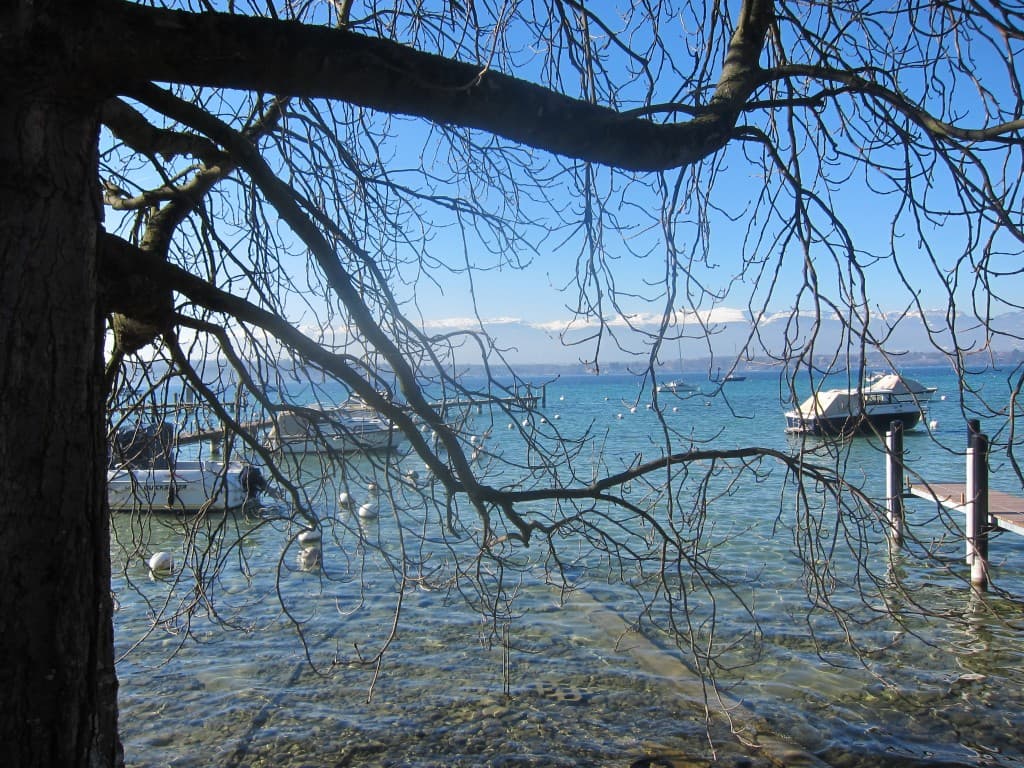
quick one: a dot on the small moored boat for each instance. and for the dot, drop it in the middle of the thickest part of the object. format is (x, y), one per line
(718, 378)
(191, 486)
(860, 410)
(144, 474)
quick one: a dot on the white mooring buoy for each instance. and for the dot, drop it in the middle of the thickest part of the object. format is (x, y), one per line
(162, 563)
(346, 504)
(370, 509)
(310, 537)
(310, 558)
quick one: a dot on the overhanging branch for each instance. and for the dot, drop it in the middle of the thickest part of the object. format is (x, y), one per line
(131, 127)
(118, 257)
(218, 50)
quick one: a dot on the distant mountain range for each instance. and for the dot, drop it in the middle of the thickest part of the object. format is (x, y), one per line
(913, 340)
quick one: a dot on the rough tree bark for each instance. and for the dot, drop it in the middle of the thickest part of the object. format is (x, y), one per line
(58, 690)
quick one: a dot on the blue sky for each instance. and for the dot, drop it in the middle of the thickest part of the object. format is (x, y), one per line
(509, 298)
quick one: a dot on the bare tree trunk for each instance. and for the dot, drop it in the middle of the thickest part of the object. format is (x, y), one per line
(58, 689)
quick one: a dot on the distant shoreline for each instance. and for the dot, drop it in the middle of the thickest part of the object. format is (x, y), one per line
(699, 368)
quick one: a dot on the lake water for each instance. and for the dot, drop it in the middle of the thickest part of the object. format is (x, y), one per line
(405, 646)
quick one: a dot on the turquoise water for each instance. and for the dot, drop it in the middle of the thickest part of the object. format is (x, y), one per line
(407, 645)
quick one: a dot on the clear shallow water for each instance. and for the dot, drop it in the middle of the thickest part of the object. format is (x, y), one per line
(566, 682)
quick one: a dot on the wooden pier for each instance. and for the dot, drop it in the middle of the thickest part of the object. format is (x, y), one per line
(527, 401)
(218, 434)
(984, 510)
(520, 402)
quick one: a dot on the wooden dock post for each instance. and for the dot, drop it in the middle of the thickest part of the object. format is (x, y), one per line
(976, 501)
(894, 483)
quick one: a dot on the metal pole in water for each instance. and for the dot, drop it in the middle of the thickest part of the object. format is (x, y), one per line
(894, 483)
(970, 490)
(977, 513)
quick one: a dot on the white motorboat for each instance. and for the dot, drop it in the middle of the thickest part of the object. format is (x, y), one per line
(191, 486)
(350, 427)
(858, 410)
(144, 474)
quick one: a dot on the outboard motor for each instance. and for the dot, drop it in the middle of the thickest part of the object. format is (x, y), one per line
(143, 446)
(252, 480)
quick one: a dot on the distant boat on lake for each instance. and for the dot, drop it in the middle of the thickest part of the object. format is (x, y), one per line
(676, 386)
(719, 379)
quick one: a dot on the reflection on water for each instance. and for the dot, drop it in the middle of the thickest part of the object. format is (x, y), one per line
(276, 656)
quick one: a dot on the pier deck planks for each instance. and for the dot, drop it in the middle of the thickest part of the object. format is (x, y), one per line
(1005, 509)
(524, 402)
